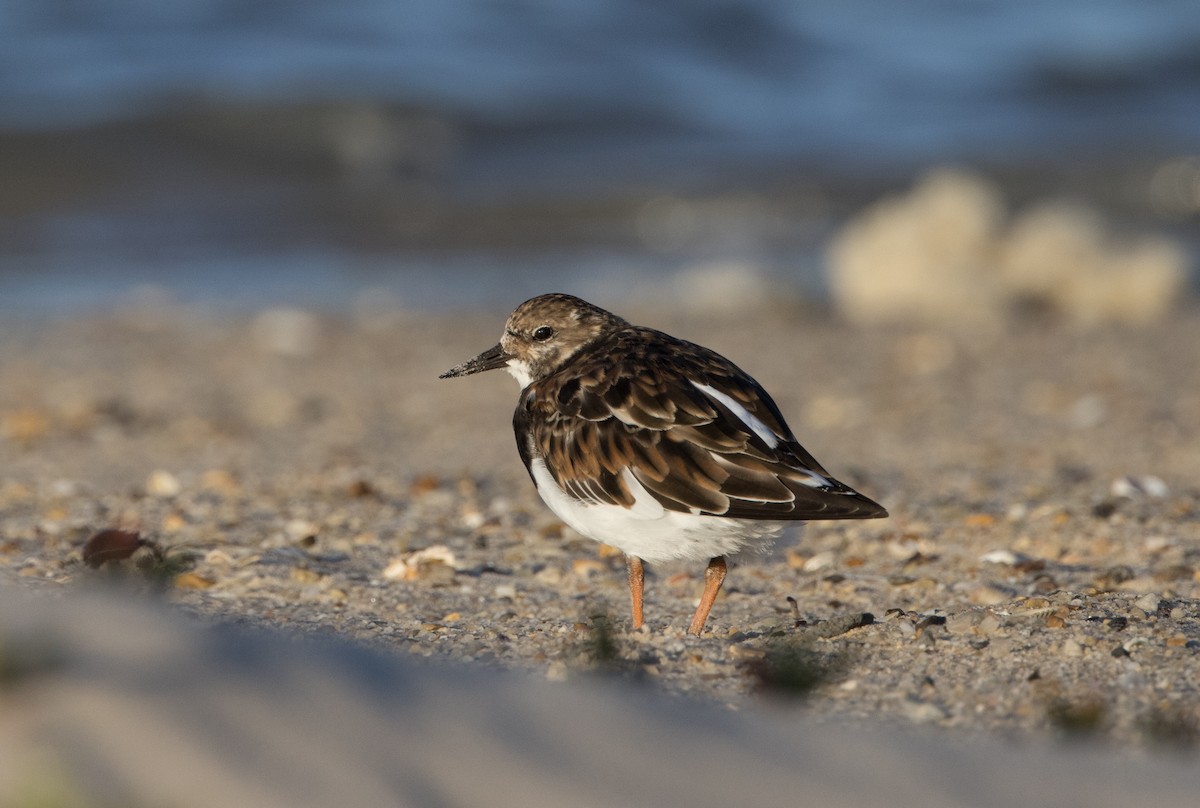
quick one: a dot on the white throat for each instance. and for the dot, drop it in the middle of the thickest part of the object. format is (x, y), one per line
(520, 372)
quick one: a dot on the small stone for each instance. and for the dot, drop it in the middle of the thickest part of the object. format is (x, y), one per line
(818, 562)
(1072, 649)
(192, 580)
(1006, 557)
(550, 576)
(989, 624)
(587, 567)
(436, 563)
(111, 545)
(921, 712)
(1148, 603)
(1016, 512)
(963, 622)
(1134, 487)
(744, 653)
(218, 558)
(163, 484)
(301, 575)
(1156, 544)
(298, 530)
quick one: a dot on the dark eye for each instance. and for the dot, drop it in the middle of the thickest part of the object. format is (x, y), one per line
(543, 333)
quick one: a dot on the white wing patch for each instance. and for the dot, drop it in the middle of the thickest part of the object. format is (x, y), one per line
(814, 480)
(645, 506)
(744, 415)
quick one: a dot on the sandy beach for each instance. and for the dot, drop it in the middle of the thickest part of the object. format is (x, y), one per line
(310, 473)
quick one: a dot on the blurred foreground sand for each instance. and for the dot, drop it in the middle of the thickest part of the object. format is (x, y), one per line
(117, 704)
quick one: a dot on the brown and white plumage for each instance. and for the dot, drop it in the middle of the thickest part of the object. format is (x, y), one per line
(655, 445)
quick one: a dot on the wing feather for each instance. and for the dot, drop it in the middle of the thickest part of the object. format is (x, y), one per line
(698, 434)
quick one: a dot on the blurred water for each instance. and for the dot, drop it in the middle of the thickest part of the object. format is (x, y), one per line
(538, 100)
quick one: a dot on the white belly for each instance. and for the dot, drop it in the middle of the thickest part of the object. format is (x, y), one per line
(651, 532)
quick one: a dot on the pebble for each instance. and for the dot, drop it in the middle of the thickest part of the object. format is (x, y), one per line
(922, 712)
(163, 484)
(587, 567)
(1007, 557)
(436, 561)
(1133, 487)
(820, 561)
(1148, 603)
(192, 580)
(964, 621)
(988, 624)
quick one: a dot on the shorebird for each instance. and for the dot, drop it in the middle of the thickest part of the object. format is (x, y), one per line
(659, 447)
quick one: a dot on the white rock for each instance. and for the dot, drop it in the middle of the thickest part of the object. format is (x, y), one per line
(163, 484)
(923, 257)
(819, 561)
(1144, 486)
(1062, 255)
(1148, 603)
(1006, 557)
(413, 565)
(297, 529)
(944, 255)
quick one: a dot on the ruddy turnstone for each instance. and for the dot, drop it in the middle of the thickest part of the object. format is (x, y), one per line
(657, 446)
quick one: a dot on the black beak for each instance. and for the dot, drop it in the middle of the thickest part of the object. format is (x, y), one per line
(492, 358)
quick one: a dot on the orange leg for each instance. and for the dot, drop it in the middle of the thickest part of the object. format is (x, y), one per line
(713, 577)
(637, 582)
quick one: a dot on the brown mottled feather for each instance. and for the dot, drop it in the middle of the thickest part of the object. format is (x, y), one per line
(603, 411)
